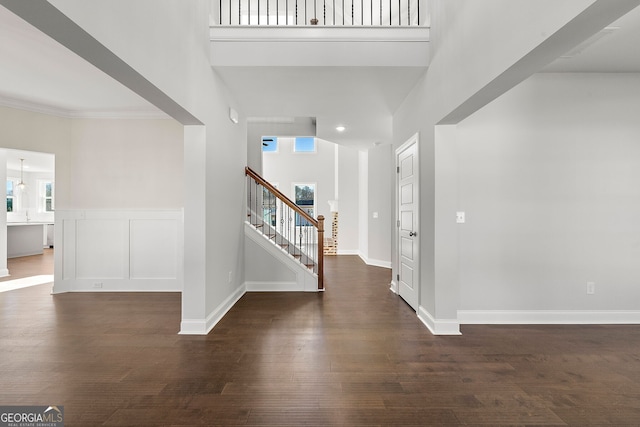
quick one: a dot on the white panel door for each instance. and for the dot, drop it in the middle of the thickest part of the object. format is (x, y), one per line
(408, 243)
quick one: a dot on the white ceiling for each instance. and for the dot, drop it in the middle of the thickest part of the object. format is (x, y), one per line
(614, 50)
(39, 74)
(359, 98)
(33, 162)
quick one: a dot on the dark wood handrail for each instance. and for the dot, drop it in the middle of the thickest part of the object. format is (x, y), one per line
(279, 195)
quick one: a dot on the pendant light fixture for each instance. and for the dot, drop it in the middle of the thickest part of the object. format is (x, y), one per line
(21, 185)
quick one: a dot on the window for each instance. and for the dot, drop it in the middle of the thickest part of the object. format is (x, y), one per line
(46, 191)
(305, 144)
(305, 197)
(269, 144)
(269, 206)
(11, 197)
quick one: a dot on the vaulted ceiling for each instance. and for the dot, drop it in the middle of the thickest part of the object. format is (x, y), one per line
(38, 74)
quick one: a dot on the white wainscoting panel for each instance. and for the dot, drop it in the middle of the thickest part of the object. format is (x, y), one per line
(101, 249)
(119, 251)
(158, 237)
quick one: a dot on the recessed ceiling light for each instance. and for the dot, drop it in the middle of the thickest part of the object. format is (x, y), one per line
(341, 128)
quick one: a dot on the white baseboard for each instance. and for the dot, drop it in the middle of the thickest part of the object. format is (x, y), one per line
(272, 286)
(540, 317)
(393, 287)
(375, 262)
(119, 285)
(348, 252)
(204, 326)
(439, 326)
(4, 272)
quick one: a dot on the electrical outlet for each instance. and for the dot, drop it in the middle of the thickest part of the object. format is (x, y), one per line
(460, 217)
(591, 288)
(230, 276)
(97, 285)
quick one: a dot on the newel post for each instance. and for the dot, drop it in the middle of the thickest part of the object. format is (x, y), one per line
(320, 251)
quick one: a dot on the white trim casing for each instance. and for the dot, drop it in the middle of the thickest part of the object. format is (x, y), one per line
(203, 327)
(374, 262)
(548, 317)
(439, 326)
(348, 252)
(393, 287)
(413, 141)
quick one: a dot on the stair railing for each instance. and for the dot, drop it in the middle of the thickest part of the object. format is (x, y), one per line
(286, 224)
(374, 13)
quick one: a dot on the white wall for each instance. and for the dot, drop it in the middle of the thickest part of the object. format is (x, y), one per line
(286, 168)
(127, 164)
(379, 205)
(290, 126)
(348, 196)
(363, 204)
(92, 157)
(472, 64)
(548, 177)
(161, 52)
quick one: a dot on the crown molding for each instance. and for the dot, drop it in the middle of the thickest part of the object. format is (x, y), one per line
(35, 107)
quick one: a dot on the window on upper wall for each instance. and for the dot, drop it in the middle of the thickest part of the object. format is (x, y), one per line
(305, 144)
(269, 144)
(46, 192)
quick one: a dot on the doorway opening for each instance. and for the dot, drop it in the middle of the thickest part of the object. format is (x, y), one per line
(28, 225)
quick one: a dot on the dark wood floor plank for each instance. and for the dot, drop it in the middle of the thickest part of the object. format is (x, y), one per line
(355, 355)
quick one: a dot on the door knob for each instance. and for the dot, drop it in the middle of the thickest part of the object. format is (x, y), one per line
(413, 233)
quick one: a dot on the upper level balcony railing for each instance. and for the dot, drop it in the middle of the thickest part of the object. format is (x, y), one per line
(371, 13)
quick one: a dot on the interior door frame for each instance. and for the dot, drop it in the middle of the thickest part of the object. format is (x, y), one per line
(395, 284)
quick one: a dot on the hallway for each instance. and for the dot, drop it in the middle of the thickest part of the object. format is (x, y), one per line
(354, 355)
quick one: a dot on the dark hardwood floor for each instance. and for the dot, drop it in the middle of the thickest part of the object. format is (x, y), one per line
(354, 356)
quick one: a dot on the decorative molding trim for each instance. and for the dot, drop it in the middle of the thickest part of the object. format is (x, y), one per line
(439, 326)
(541, 317)
(222, 309)
(125, 285)
(204, 326)
(393, 287)
(374, 262)
(272, 286)
(348, 252)
(147, 245)
(193, 327)
(35, 107)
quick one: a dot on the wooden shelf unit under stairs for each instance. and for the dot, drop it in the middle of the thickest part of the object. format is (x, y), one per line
(284, 223)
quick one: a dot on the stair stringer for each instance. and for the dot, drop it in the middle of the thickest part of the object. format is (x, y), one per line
(305, 279)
